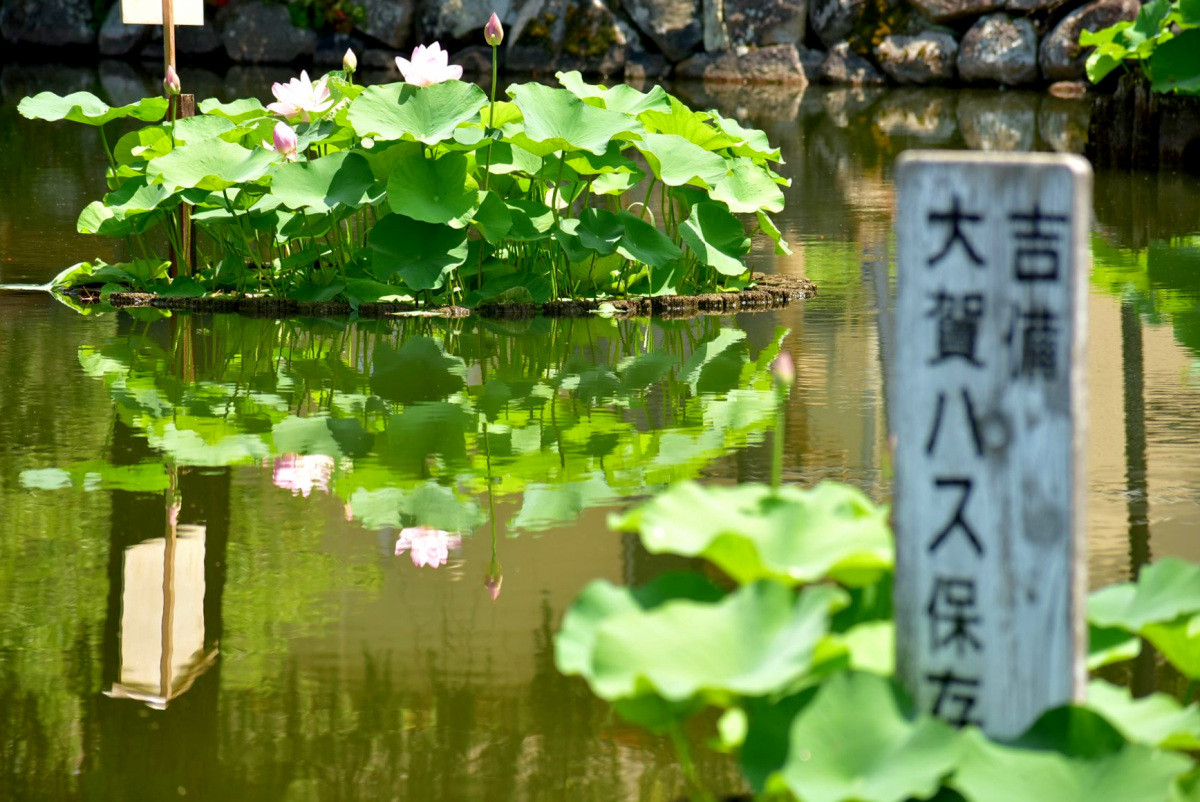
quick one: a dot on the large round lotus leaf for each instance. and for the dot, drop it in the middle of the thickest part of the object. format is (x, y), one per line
(557, 120)
(747, 188)
(676, 161)
(753, 532)
(422, 254)
(1155, 720)
(96, 218)
(644, 243)
(195, 129)
(622, 97)
(1070, 755)
(756, 640)
(426, 114)
(857, 741)
(86, 108)
(694, 126)
(342, 179)
(437, 190)
(210, 164)
(716, 237)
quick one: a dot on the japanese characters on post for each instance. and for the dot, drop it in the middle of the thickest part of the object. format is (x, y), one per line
(987, 403)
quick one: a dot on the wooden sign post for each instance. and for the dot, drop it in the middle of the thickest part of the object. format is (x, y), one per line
(988, 409)
(168, 14)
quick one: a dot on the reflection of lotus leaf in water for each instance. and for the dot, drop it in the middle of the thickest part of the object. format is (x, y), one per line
(413, 425)
(1161, 281)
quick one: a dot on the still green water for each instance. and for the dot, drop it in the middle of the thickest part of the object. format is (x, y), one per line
(199, 591)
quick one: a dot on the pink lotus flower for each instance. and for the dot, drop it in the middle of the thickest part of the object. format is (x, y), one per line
(285, 141)
(300, 473)
(426, 545)
(302, 97)
(429, 65)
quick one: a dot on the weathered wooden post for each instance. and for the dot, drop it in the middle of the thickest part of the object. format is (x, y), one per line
(989, 413)
(168, 14)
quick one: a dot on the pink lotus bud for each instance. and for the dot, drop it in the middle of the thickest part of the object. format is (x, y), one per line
(171, 83)
(493, 32)
(349, 61)
(285, 140)
(784, 369)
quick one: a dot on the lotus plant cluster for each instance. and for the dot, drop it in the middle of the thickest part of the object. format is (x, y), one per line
(429, 190)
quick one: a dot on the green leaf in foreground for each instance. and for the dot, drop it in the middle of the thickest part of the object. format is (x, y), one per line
(339, 180)
(753, 532)
(858, 741)
(1163, 607)
(1155, 720)
(756, 640)
(211, 164)
(433, 190)
(1069, 755)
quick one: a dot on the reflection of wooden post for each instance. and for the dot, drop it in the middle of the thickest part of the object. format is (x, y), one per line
(1137, 490)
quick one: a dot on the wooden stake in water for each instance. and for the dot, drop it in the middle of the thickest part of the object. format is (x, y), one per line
(988, 410)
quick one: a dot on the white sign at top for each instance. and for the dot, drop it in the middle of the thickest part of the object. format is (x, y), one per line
(150, 12)
(987, 402)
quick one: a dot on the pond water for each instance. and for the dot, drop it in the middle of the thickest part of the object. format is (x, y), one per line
(199, 595)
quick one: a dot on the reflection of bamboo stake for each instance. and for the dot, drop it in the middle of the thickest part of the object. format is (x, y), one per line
(168, 614)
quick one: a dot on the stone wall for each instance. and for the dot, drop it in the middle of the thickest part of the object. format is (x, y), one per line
(858, 42)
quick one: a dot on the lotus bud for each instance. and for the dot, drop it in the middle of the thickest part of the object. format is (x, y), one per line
(171, 83)
(349, 62)
(285, 140)
(493, 32)
(784, 369)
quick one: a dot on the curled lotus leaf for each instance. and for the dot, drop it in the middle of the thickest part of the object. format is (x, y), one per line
(86, 108)
(677, 161)
(747, 189)
(622, 97)
(790, 534)
(716, 237)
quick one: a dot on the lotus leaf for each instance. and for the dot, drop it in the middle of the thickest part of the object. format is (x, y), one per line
(1155, 720)
(858, 740)
(426, 114)
(421, 253)
(86, 108)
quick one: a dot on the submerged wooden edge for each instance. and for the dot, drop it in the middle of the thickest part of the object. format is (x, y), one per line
(771, 291)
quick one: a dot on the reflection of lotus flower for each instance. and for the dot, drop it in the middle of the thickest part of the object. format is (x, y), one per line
(784, 369)
(285, 141)
(426, 545)
(494, 579)
(301, 96)
(300, 473)
(429, 65)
